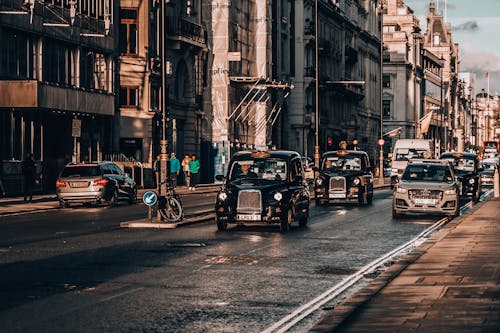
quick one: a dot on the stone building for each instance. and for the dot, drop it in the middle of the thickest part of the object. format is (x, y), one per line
(403, 76)
(349, 76)
(56, 82)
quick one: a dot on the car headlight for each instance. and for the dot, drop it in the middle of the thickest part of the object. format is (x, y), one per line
(472, 181)
(319, 181)
(222, 196)
(356, 181)
(401, 190)
(278, 196)
(450, 191)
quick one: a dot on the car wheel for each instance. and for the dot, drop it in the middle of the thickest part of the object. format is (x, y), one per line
(221, 224)
(113, 199)
(133, 197)
(396, 214)
(369, 198)
(361, 198)
(287, 221)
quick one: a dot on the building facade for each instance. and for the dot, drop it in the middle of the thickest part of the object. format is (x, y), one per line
(57, 82)
(403, 76)
(349, 74)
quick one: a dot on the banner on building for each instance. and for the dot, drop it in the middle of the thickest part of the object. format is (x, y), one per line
(393, 133)
(425, 122)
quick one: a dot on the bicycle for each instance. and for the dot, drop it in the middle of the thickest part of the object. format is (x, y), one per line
(170, 206)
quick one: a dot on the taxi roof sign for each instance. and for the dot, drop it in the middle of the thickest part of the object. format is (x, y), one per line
(260, 154)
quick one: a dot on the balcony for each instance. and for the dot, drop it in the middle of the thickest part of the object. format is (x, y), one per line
(36, 94)
(182, 30)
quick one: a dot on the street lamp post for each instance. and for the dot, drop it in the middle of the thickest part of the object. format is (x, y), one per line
(381, 140)
(164, 175)
(316, 86)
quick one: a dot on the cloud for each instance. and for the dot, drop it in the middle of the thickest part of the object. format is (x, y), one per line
(467, 26)
(478, 61)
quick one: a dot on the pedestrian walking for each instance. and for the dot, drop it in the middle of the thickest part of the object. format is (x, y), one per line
(175, 168)
(185, 169)
(29, 173)
(194, 168)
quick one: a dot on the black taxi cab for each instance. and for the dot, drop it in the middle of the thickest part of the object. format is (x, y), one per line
(263, 187)
(344, 175)
(467, 168)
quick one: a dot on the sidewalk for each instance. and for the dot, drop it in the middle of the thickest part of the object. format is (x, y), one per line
(43, 202)
(451, 283)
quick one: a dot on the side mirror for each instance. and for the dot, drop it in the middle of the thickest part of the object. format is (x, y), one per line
(220, 178)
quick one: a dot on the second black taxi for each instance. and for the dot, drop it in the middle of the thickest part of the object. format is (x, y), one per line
(467, 169)
(263, 187)
(344, 175)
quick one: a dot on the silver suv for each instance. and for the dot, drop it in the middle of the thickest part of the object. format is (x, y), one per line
(95, 183)
(427, 186)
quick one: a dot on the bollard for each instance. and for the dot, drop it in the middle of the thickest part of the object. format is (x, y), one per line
(496, 184)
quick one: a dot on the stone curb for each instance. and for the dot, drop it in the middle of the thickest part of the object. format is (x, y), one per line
(344, 311)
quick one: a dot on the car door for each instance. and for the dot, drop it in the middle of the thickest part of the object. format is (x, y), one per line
(300, 195)
(121, 180)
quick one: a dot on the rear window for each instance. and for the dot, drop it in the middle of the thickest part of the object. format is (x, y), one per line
(81, 171)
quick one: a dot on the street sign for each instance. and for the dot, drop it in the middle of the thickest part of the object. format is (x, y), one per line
(150, 198)
(76, 128)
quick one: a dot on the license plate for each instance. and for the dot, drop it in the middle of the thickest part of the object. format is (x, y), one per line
(79, 184)
(337, 196)
(425, 201)
(244, 217)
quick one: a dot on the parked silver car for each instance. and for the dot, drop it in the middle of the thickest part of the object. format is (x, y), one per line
(95, 183)
(427, 186)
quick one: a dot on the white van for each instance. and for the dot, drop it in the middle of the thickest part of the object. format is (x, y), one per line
(405, 150)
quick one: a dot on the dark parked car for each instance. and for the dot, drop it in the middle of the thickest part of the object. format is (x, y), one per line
(94, 183)
(344, 175)
(263, 187)
(467, 169)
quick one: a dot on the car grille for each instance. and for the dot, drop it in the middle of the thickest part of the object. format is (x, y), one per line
(416, 195)
(249, 201)
(337, 184)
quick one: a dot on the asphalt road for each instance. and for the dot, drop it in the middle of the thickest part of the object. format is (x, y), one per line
(73, 270)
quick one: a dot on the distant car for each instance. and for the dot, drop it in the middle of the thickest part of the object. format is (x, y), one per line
(466, 167)
(94, 183)
(263, 187)
(345, 175)
(487, 173)
(427, 186)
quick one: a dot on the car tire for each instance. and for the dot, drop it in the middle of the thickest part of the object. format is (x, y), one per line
(286, 222)
(113, 199)
(133, 197)
(361, 198)
(303, 220)
(221, 225)
(396, 214)
(369, 198)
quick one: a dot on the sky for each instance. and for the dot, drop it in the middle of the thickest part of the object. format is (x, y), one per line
(476, 28)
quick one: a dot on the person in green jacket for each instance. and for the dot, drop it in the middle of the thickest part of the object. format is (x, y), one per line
(194, 168)
(175, 168)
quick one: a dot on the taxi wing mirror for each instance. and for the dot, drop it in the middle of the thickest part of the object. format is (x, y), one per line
(220, 178)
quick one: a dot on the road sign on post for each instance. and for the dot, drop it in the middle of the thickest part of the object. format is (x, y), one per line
(150, 199)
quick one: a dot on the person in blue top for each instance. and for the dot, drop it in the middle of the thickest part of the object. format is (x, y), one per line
(175, 168)
(194, 167)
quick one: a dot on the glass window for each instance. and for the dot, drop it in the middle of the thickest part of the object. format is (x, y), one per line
(263, 169)
(129, 96)
(80, 171)
(128, 31)
(386, 108)
(386, 81)
(341, 164)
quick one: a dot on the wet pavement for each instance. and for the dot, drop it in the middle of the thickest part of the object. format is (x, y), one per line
(451, 283)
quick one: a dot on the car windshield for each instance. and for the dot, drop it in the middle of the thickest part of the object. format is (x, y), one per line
(427, 173)
(267, 169)
(345, 163)
(406, 154)
(81, 171)
(462, 164)
(488, 166)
